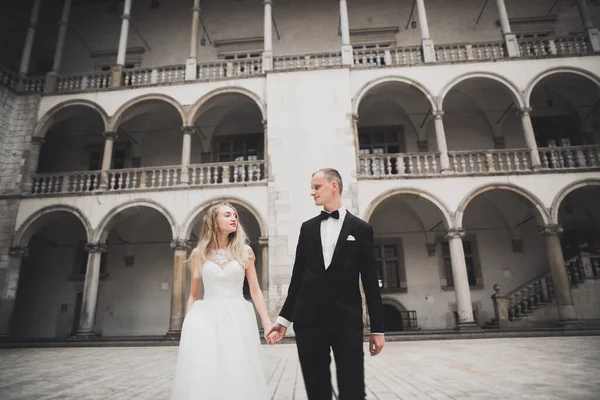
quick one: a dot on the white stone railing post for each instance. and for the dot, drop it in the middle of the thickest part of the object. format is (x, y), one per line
(512, 45)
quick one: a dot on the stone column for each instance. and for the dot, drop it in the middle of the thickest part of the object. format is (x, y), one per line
(427, 43)
(9, 282)
(440, 136)
(31, 163)
(181, 247)
(192, 62)
(461, 280)
(267, 55)
(558, 270)
(52, 77)
(90, 290)
(186, 153)
(107, 158)
(347, 53)
(530, 137)
(117, 71)
(588, 25)
(263, 242)
(512, 45)
(26, 55)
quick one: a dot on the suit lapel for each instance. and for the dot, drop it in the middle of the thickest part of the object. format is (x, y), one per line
(346, 227)
(316, 233)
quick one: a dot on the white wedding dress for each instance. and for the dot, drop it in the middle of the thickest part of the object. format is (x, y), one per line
(219, 351)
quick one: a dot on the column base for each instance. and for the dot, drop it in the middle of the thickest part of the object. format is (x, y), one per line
(512, 45)
(51, 82)
(191, 69)
(567, 314)
(446, 172)
(347, 55)
(467, 326)
(428, 51)
(267, 61)
(117, 76)
(594, 38)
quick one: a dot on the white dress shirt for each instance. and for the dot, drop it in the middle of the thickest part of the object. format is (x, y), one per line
(330, 233)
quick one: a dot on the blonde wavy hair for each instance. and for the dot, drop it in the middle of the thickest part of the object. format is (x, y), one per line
(237, 248)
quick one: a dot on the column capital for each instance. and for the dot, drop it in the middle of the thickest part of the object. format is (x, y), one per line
(455, 233)
(437, 114)
(551, 229)
(265, 124)
(188, 129)
(37, 140)
(19, 251)
(181, 244)
(263, 241)
(525, 111)
(265, 2)
(126, 16)
(95, 247)
(111, 135)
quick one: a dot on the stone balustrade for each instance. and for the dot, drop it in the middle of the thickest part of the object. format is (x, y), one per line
(131, 179)
(489, 161)
(150, 76)
(384, 57)
(405, 164)
(229, 68)
(81, 82)
(571, 157)
(582, 267)
(470, 51)
(306, 61)
(553, 46)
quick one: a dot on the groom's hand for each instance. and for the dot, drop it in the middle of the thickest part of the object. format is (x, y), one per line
(376, 344)
(275, 328)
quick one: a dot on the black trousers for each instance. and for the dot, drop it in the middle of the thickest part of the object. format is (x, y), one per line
(314, 344)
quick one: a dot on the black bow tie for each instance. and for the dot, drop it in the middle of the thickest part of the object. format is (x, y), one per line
(334, 215)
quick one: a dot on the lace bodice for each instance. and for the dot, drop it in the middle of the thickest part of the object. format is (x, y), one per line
(223, 278)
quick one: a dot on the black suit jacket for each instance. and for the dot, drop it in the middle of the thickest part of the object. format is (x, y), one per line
(331, 297)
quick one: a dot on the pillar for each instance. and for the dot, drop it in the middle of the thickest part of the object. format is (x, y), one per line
(52, 77)
(8, 287)
(185, 153)
(181, 248)
(588, 25)
(427, 43)
(26, 55)
(263, 242)
(117, 70)
(90, 290)
(461, 279)
(530, 137)
(267, 55)
(558, 270)
(347, 52)
(31, 163)
(191, 65)
(440, 136)
(107, 158)
(510, 39)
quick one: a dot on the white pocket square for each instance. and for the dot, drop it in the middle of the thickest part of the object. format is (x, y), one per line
(351, 238)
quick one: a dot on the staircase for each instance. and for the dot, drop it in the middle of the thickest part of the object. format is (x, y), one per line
(533, 303)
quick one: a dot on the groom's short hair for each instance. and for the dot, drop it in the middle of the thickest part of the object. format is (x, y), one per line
(331, 175)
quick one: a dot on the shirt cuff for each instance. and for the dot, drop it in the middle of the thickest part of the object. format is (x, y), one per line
(377, 333)
(283, 322)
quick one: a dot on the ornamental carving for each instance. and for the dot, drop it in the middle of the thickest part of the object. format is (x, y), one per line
(181, 244)
(455, 233)
(95, 248)
(552, 229)
(19, 251)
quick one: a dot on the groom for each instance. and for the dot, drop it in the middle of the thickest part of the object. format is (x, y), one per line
(324, 300)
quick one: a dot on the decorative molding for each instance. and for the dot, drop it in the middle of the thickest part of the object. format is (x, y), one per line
(95, 248)
(188, 129)
(181, 244)
(455, 233)
(551, 229)
(111, 135)
(19, 251)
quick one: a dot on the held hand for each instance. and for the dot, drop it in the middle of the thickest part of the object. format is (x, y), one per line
(275, 333)
(376, 344)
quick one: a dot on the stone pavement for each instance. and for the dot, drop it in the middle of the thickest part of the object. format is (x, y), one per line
(532, 368)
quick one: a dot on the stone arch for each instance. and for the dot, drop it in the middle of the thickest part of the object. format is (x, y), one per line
(376, 82)
(511, 86)
(417, 192)
(502, 186)
(388, 300)
(118, 115)
(30, 226)
(110, 219)
(566, 191)
(558, 70)
(193, 217)
(194, 110)
(48, 119)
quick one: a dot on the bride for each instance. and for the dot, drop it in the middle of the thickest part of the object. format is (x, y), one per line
(219, 351)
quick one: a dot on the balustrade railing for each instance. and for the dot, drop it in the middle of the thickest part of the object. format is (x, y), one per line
(582, 267)
(551, 46)
(150, 76)
(230, 68)
(520, 302)
(571, 157)
(412, 164)
(8, 78)
(130, 179)
(311, 60)
(489, 161)
(77, 82)
(470, 51)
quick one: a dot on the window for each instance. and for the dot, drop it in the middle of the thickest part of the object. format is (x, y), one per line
(379, 140)
(469, 261)
(240, 148)
(389, 261)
